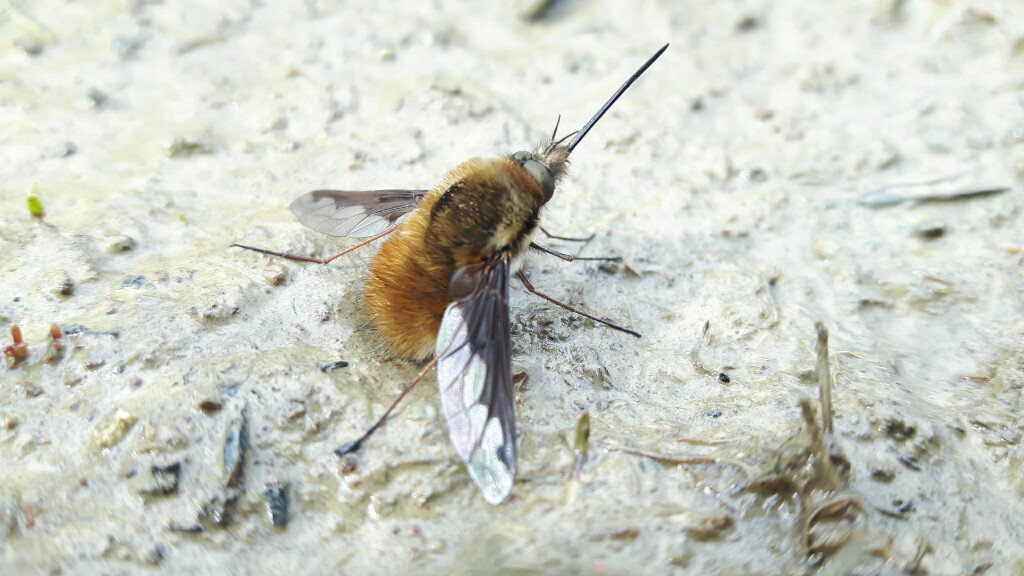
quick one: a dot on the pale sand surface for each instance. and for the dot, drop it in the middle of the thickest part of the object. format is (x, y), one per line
(727, 178)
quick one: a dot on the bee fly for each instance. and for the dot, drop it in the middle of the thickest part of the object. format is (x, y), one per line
(439, 284)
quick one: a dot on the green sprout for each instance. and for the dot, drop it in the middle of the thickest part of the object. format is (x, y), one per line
(35, 205)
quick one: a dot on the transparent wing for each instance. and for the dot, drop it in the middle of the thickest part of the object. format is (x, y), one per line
(356, 214)
(474, 374)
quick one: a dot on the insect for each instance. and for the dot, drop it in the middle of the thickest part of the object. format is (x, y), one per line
(438, 287)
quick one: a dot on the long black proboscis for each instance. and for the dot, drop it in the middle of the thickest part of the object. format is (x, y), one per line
(593, 119)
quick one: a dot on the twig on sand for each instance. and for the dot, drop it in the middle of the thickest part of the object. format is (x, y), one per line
(882, 198)
(681, 459)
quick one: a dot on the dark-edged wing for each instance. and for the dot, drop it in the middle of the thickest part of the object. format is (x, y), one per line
(474, 374)
(356, 214)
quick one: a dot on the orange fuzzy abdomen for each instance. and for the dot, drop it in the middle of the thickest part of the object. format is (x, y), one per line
(407, 290)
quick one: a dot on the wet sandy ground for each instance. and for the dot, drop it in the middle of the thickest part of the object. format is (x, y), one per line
(736, 180)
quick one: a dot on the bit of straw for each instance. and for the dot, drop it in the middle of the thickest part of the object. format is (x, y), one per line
(682, 459)
(824, 371)
(581, 446)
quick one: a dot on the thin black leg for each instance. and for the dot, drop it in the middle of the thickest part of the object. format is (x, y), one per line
(529, 288)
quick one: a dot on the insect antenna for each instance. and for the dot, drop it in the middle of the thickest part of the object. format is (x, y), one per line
(555, 143)
(593, 120)
(566, 137)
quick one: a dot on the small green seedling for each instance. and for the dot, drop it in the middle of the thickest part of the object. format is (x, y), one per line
(35, 205)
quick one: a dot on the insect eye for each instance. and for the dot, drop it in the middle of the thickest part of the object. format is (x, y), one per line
(522, 157)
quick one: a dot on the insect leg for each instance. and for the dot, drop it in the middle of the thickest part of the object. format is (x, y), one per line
(327, 260)
(571, 258)
(356, 445)
(567, 238)
(529, 288)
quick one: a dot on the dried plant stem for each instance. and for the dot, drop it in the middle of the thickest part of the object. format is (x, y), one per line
(824, 371)
(683, 459)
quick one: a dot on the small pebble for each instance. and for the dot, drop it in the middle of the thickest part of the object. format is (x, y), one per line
(183, 148)
(882, 471)
(164, 480)
(625, 535)
(279, 123)
(724, 378)
(747, 23)
(185, 528)
(275, 274)
(930, 231)
(62, 287)
(120, 243)
(211, 404)
(909, 462)
(902, 506)
(898, 430)
(708, 526)
(97, 98)
(126, 47)
(754, 174)
(32, 47)
(155, 555)
(348, 465)
(135, 282)
(332, 366)
(276, 495)
(114, 431)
